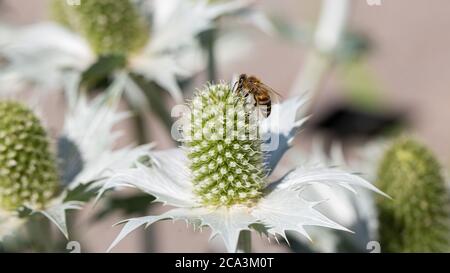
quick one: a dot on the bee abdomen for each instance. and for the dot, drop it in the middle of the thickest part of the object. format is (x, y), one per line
(267, 107)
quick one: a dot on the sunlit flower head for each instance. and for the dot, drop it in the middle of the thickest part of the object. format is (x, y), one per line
(224, 148)
(219, 177)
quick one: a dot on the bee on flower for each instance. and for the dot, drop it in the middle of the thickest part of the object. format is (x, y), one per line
(220, 176)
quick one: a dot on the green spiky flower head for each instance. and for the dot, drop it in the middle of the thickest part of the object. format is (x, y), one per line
(224, 148)
(416, 219)
(28, 174)
(110, 26)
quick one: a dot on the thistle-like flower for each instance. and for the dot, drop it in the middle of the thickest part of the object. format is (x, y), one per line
(28, 173)
(219, 178)
(33, 179)
(28, 170)
(158, 42)
(110, 27)
(416, 220)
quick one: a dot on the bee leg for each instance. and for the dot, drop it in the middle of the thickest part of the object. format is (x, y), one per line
(236, 84)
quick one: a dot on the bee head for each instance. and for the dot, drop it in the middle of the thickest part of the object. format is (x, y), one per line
(242, 78)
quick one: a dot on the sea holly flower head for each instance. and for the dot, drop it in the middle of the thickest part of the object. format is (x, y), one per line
(416, 220)
(29, 178)
(224, 148)
(219, 177)
(153, 40)
(35, 180)
(110, 26)
(28, 173)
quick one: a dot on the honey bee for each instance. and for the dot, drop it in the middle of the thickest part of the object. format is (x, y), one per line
(262, 93)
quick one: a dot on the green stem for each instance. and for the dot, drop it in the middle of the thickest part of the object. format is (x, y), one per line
(244, 242)
(155, 98)
(40, 234)
(315, 70)
(139, 125)
(210, 37)
(139, 122)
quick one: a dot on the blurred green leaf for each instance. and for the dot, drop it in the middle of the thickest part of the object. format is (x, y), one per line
(83, 192)
(101, 71)
(155, 97)
(360, 86)
(24, 212)
(137, 204)
(353, 47)
(296, 245)
(290, 31)
(208, 40)
(70, 159)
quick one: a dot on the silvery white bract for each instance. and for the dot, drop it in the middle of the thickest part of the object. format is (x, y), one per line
(281, 207)
(357, 212)
(30, 60)
(89, 124)
(85, 153)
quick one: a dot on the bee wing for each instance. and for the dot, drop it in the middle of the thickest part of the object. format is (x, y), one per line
(270, 89)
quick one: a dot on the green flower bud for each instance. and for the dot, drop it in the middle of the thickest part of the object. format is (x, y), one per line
(28, 174)
(110, 26)
(224, 148)
(416, 219)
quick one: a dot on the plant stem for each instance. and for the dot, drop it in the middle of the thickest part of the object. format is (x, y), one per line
(209, 40)
(154, 96)
(327, 38)
(139, 124)
(40, 234)
(244, 242)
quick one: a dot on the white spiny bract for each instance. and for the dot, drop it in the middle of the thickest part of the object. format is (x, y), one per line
(224, 148)
(218, 179)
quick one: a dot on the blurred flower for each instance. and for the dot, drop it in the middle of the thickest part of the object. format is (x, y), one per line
(220, 176)
(28, 169)
(356, 212)
(30, 180)
(110, 27)
(416, 220)
(158, 41)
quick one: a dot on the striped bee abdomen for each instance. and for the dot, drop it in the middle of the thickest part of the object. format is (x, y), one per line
(265, 104)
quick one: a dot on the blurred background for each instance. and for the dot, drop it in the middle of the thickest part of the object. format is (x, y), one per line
(408, 59)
